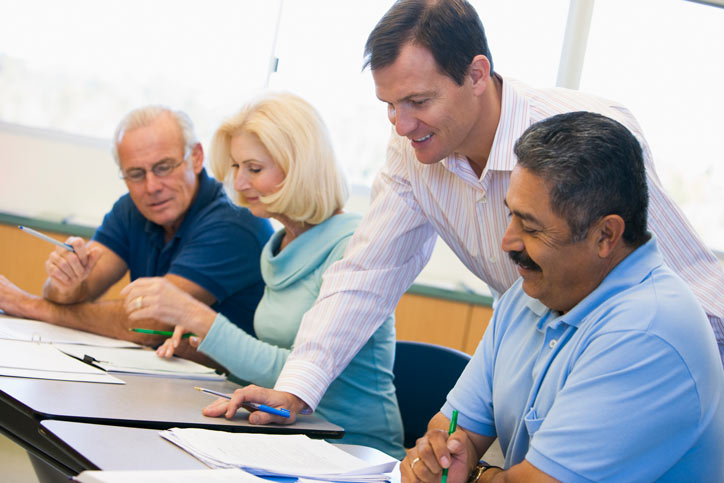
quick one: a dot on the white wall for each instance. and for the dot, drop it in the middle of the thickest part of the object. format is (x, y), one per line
(57, 176)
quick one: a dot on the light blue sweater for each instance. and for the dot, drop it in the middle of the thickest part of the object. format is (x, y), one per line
(362, 399)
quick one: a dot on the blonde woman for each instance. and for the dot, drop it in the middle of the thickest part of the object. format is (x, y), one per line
(277, 154)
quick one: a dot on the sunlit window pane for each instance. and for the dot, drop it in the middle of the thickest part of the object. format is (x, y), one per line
(79, 65)
(662, 59)
(320, 50)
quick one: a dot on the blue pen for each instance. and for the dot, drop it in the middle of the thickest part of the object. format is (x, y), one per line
(249, 405)
(30, 231)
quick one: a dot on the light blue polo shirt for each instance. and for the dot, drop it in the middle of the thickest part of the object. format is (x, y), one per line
(626, 386)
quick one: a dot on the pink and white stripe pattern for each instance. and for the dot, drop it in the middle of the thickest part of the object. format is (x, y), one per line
(412, 203)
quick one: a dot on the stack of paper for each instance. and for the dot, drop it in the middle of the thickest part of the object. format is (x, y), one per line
(277, 455)
(140, 361)
(110, 354)
(168, 476)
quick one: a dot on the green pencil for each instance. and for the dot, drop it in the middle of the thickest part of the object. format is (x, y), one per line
(167, 333)
(453, 426)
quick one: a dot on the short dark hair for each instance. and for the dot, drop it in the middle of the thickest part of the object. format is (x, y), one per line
(593, 167)
(450, 29)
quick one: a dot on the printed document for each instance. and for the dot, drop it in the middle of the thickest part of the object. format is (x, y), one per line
(277, 455)
(44, 361)
(37, 331)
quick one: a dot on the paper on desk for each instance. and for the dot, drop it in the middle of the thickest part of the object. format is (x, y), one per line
(44, 361)
(277, 455)
(233, 475)
(140, 361)
(37, 331)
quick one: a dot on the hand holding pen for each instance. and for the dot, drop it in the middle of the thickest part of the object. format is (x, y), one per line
(259, 395)
(443, 455)
(249, 406)
(68, 266)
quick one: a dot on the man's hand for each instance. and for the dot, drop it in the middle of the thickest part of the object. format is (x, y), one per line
(68, 270)
(251, 393)
(159, 299)
(13, 300)
(437, 450)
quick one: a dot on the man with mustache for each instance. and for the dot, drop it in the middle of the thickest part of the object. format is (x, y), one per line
(175, 222)
(598, 364)
(449, 163)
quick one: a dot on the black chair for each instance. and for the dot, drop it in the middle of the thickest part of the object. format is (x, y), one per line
(424, 374)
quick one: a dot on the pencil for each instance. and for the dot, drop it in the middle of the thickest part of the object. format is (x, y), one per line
(453, 426)
(249, 405)
(30, 231)
(167, 333)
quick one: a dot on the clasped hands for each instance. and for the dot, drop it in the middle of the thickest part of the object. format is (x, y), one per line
(68, 270)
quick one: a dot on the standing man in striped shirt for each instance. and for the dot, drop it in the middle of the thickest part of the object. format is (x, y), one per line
(448, 168)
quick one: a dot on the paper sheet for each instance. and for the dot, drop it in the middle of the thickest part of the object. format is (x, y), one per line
(277, 455)
(140, 361)
(43, 361)
(169, 476)
(37, 331)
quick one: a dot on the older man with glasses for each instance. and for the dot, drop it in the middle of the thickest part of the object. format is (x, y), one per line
(175, 222)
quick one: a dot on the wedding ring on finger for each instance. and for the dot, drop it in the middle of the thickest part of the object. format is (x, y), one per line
(412, 465)
(139, 302)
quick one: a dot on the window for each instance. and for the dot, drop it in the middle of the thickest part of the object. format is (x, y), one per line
(79, 65)
(662, 59)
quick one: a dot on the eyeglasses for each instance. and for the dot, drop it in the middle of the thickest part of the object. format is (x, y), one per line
(159, 170)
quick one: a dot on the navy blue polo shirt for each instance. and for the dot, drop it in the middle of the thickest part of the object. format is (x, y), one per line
(218, 246)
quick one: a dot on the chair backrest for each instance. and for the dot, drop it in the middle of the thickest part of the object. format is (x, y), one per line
(424, 374)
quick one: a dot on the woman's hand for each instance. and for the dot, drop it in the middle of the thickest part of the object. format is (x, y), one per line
(167, 349)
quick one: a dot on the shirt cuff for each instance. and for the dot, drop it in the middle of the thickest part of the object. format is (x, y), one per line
(304, 380)
(215, 337)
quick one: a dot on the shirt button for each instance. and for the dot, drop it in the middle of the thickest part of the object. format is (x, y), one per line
(483, 199)
(492, 259)
(552, 343)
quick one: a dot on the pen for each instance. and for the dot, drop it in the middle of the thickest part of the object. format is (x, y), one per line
(167, 333)
(249, 405)
(30, 231)
(453, 425)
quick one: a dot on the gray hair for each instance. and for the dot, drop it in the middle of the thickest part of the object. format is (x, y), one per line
(593, 166)
(144, 116)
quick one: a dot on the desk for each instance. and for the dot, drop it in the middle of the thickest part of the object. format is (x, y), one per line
(87, 447)
(143, 402)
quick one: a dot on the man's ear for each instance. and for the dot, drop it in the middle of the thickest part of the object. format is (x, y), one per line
(197, 157)
(609, 232)
(479, 73)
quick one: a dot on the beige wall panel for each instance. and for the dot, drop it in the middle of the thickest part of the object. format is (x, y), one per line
(432, 320)
(479, 318)
(22, 260)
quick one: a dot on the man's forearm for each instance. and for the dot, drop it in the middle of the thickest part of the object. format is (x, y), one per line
(52, 293)
(106, 318)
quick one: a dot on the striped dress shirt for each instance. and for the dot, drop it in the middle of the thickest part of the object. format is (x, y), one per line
(412, 203)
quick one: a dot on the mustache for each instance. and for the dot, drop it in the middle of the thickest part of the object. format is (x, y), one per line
(522, 259)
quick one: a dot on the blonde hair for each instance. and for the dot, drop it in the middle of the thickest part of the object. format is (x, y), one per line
(295, 136)
(145, 116)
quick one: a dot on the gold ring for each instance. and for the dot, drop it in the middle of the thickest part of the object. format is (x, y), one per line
(412, 465)
(139, 302)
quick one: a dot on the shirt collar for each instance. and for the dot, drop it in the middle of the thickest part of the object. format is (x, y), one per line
(631, 271)
(514, 120)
